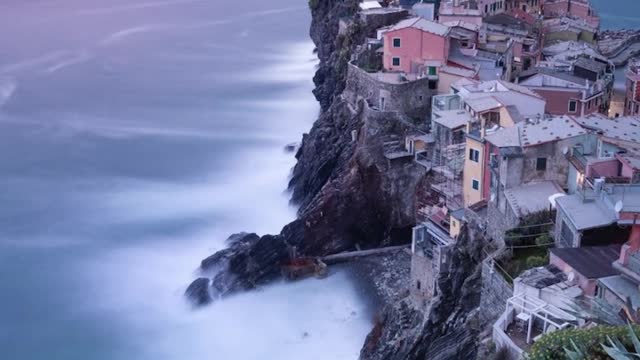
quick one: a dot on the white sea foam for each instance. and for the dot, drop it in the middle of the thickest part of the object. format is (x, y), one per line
(74, 59)
(30, 63)
(144, 283)
(119, 35)
(7, 88)
(283, 70)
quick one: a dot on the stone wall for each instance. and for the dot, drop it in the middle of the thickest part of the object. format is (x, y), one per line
(502, 340)
(557, 167)
(422, 280)
(495, 292)
(375, 19)
(412, 98)
(500, 218)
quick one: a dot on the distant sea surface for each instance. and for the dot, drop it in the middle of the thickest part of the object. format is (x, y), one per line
(618, 14)
(135, 136)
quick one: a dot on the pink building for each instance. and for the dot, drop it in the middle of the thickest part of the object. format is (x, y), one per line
(585, 265)
(526, 6)
(466, 8)
(584, 91)
(632, 96)
(491, 7)
(459, 12)
(580, 9)
(416, 45)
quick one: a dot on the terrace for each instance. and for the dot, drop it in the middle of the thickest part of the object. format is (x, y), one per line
(525, 320)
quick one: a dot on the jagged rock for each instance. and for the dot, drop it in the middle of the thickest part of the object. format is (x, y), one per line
(236, 242)
(198, 292)
(329, 78)
(250, 260)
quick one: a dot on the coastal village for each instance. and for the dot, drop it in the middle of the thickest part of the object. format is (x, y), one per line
(523, 134)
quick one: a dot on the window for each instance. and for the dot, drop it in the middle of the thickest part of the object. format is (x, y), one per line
(475, 184)
(573, 106)
(432, 70)
(566, 235)
(433, 84)
(395, 61)
(396, 42)
(541, 164)
(418, 285)
(474, 155)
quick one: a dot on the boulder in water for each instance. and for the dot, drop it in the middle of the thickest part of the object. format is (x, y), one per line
(198, 292)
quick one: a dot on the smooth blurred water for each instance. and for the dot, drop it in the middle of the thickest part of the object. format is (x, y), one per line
(135, 135)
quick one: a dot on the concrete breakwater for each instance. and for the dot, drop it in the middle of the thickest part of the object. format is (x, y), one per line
(619, 45)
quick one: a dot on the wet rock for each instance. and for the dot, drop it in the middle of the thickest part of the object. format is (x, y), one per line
(292, 147)
(236, 243)
(198, 292)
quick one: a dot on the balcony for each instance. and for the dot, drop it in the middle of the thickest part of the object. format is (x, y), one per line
(526, 320)
(578, 159)
(446, 102)
(424, 159)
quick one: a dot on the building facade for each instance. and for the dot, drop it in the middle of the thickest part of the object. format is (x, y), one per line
(416, 46)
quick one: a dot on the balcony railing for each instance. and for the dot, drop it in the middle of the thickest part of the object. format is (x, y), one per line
(580, 157)
(424, 159)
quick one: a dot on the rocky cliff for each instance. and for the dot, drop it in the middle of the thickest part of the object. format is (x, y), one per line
(350, 194)
(347, 191)
(449, 328)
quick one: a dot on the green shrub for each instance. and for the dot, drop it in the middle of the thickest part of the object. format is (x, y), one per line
(552, 346)
(535, 261)
(544, 240)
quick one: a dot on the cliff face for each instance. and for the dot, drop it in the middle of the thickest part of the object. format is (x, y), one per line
(449, 327)
(329, 77)
(350, 194)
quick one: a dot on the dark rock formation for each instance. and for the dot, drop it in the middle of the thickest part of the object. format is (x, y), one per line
(250, 260)
(198, 292)
(333, 50)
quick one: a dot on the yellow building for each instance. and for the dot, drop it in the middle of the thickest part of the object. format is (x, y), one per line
(473, 171)
(455, 223)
